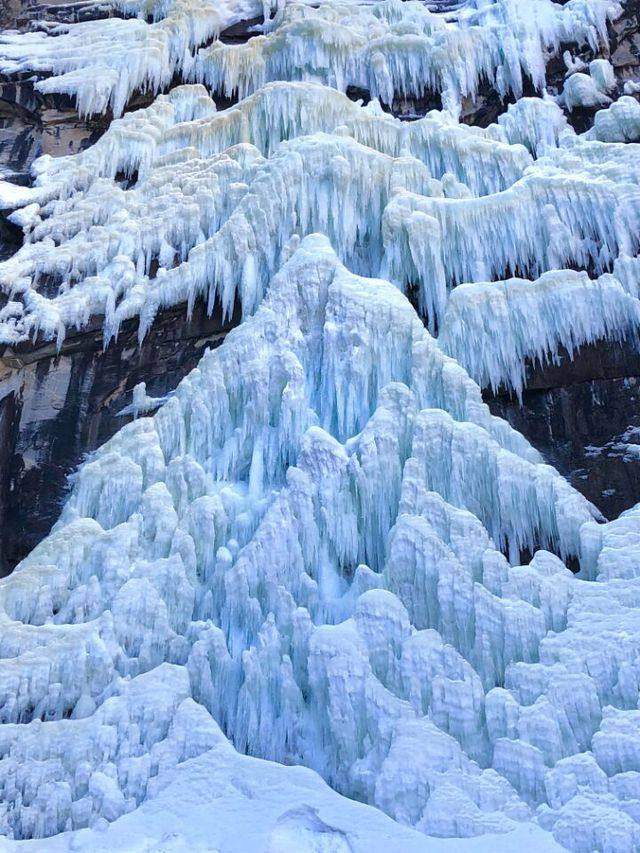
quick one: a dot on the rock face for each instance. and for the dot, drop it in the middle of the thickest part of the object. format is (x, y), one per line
(30, 124)
(320, 546)
(57, 407)
(583, 415)
(47, 401)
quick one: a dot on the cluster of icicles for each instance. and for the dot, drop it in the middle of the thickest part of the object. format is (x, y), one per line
(315, 540)
(178, 202)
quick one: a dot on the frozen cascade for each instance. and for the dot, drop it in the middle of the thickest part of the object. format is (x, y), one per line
(494, 329)
(304, 535)
(217, 214)
(187, 118)
(103, 63)
(404, 49)
(309, 552)
(385, 48)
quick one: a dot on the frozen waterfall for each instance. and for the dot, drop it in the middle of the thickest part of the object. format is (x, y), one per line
(322, 549)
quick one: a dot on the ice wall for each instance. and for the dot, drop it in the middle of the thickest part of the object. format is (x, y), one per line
(386, 48)
(322, 549)
(427, 205)
(496, 329)
(307, 533)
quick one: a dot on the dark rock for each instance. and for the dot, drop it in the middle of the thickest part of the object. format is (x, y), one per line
(55, 408)
(583, 415)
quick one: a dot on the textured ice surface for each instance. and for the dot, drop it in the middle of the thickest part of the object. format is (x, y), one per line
(427, 205)
(322, 549)
(382, 47)
(102, 63)
(237, 804)
(591, 89)
(304, 540)
(618, 123)
(495, 329)
(403, 48)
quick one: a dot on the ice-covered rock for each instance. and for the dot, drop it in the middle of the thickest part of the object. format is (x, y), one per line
(385, 48)
(102, 63)
(620, 122)
(207, 220)
(495, 329)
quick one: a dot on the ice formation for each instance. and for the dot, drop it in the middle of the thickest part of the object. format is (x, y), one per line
(307, 534)
(385, 48)
(495, 329)
(102, 63)
(428, 205)
(619, 123)
(403, 48)
(590, 90)
(322, 549)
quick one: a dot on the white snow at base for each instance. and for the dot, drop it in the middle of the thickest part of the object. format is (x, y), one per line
(237, 804)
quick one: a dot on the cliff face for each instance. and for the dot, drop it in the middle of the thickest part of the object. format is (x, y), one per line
(57, 407)
(333, 539)
(581, 414)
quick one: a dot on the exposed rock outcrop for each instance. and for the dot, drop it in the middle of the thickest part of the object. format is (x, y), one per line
(57, 407)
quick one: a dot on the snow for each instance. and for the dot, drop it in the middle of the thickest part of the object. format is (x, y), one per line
(284, 608)
(237, 804)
